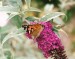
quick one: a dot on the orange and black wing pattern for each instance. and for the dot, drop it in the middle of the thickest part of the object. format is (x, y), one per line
(34, 30)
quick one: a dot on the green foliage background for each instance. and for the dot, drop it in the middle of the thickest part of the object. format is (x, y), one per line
(13, 43)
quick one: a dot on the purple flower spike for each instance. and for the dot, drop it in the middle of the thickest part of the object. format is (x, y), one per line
(49, 43)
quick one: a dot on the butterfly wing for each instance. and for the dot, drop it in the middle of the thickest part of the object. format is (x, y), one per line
(34, 30)
(37, 28)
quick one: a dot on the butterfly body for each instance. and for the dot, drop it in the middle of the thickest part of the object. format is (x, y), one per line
(34, 30)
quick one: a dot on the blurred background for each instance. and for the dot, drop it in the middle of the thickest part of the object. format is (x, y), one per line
(23, 48)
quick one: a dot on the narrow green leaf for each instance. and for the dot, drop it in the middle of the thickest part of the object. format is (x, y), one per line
(6, 38)
(18, 31)
(12, 2)
(55, 29)
(9, 9)
(14, 33)
(19, 2)
(17, 21)
(31, 18)
(58, 21)
(12, 15)
(6, 29)
(28, 2)
(2, 37)
(51, 16)
(8, 54)
(33, 9)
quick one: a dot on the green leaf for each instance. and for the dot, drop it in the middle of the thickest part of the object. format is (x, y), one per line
(6, 38)
(18, 31)
(28, 2)
(6, 29)
(17, 21)
(33, 9)
(12, 2)
(31, 18)
(9, 9)
(69, 13)
(58, 21)
(14, 33)
(2, 37)
(8, 54)
(55, 29)
(51, 16)
(12, 15)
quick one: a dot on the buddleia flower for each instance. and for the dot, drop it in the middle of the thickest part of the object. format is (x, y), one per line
(49, 43)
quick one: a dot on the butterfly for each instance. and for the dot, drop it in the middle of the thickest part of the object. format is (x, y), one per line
(34, 30)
